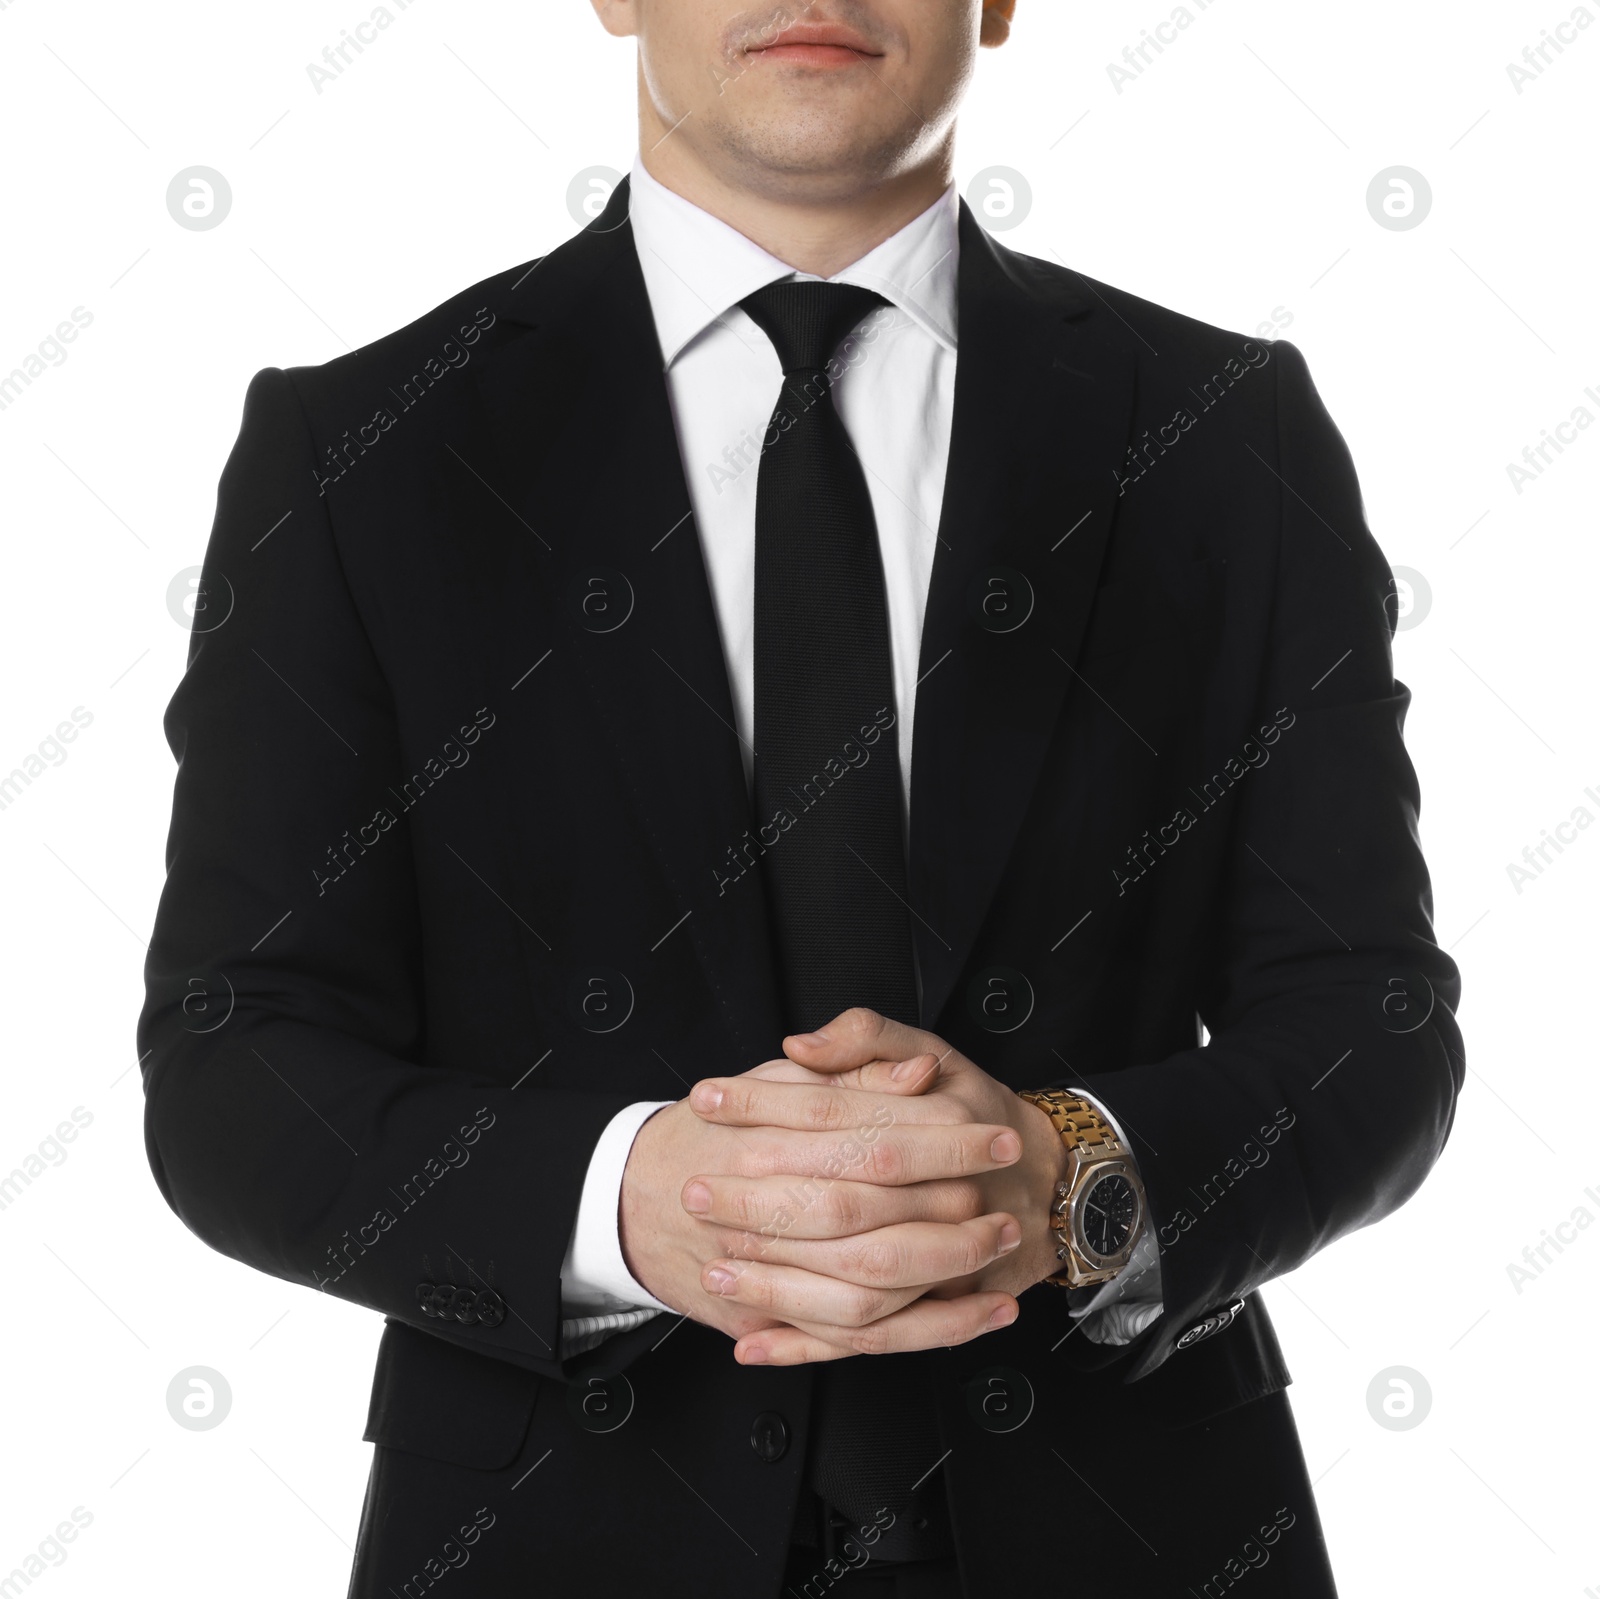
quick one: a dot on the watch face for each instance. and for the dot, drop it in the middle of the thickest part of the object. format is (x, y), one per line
(1108, 1213)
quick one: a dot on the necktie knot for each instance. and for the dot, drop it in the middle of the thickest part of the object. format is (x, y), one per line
(807, 322)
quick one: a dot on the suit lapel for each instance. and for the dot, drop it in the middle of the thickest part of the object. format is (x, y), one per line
(586, 455)
(581, 448)
(1044, 394)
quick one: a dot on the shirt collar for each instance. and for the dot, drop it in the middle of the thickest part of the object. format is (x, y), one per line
(697, 268)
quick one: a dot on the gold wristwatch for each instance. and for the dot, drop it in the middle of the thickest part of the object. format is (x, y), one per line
(1099, 1208)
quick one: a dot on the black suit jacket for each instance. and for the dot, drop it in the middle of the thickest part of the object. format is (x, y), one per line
(448, 882)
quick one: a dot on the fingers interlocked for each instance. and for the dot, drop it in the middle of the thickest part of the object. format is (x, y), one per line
(857, 1200)
(862, 1278)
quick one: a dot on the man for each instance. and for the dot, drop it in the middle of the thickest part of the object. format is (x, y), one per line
(707, 721)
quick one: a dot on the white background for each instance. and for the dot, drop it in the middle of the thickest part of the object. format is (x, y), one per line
(1228, 180)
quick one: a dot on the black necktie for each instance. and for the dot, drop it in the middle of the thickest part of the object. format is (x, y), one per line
(827, 787)
(827, 771)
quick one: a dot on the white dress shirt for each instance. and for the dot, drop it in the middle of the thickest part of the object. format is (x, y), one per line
(897, 401)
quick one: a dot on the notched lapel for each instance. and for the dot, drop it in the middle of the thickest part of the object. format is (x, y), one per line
(1044, 399)
(580, 451)
(585, 457)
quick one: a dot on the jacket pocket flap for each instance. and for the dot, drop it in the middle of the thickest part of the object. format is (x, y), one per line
(1241, 1363)
(436, 1399)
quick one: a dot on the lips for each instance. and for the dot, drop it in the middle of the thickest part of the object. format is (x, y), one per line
(816, 44)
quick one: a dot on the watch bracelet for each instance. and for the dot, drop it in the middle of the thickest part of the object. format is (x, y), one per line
(1080, 1126)
(1076, 1120)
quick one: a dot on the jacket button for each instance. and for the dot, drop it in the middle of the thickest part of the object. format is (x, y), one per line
(769, 1436)
(491, 1308)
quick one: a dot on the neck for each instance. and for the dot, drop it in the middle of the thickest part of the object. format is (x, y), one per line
(821, 232)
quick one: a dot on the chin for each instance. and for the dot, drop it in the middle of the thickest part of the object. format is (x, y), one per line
(812, 156)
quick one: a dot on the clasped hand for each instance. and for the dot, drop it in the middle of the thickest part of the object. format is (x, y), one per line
(873, 1191)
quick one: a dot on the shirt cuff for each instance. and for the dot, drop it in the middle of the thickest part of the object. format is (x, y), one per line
(595, 1280)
